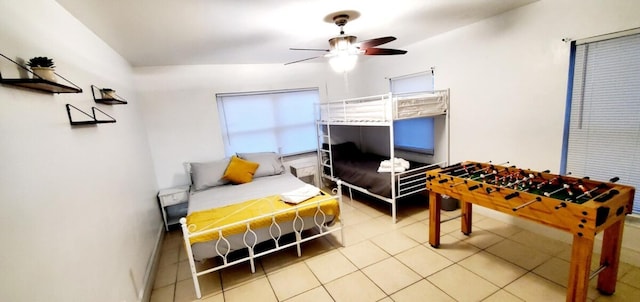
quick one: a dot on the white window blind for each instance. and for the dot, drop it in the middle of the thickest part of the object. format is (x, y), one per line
(278, 121)
(413, 134)
(604, 122)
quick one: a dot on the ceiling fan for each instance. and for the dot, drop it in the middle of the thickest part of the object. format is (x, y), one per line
(344, 48)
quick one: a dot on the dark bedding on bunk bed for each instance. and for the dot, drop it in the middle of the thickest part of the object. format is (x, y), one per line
(361, 169)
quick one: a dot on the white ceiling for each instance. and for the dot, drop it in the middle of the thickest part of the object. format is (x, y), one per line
(184, 32)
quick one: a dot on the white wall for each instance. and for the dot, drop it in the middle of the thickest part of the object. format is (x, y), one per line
(78, 213)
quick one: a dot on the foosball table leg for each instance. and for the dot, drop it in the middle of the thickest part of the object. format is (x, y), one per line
(610, 257)
(579, 268)
(435, 203)
(466, 211)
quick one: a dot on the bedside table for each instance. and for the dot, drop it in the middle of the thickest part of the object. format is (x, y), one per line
(305, 171)
(173, 203)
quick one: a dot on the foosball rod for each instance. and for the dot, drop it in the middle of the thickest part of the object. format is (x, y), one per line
(521, 180)
(564, 187)
(496, 187)
(531, 177)
(508, 175)
(598, 271)
(550, 181)
(600, 186)
(485, 175)
(465, 167)
(455, 168)
(526, 204)
(469, 173)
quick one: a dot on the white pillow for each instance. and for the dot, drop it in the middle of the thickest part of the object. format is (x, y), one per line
(270, 163)
(208, 174)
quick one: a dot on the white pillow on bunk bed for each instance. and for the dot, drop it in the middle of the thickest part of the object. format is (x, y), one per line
(270, 163)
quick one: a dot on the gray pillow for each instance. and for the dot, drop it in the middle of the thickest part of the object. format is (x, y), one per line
(208, 174)
(270, 163)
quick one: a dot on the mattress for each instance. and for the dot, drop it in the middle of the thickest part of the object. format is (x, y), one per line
(229, 194)
(362, 171)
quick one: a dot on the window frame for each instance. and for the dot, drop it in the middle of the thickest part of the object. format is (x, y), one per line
(428, 88)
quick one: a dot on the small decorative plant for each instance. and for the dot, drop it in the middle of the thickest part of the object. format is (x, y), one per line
(42, 68)
(108, 93)
(42, 62)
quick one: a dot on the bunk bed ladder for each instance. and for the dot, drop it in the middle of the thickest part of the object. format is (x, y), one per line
(323, 153)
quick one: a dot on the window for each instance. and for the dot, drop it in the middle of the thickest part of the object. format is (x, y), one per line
(279, 121)
(602, 127)
(413, 134)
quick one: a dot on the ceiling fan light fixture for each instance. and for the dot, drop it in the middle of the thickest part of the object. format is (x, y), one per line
(343, 54)
(343, 62)
(343, 44)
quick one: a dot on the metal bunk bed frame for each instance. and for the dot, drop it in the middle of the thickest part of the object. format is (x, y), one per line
(408, 182)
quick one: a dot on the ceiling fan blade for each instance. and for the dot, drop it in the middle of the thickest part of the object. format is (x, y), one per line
(374, 42)
(307, 59)
(383, 51)
(311, 49)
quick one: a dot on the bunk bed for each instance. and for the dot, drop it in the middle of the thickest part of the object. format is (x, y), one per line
(362, 171)
(233, 222)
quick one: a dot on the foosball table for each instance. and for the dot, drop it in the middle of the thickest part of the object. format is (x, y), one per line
(580, 206)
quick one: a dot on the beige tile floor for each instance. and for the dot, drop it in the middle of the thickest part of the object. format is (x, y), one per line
(381, 261)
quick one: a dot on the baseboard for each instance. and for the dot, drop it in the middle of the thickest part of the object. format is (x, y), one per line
(152, 267)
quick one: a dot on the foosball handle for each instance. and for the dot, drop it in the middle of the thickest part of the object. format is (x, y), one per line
(615, 179)
(607, 196)
(561, 205)
(491, 190)
(512, 195)
(443, 180)
(474, 187)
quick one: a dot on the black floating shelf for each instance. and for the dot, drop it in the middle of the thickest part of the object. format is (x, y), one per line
(93, 119)
(117, 100)
(38, 83)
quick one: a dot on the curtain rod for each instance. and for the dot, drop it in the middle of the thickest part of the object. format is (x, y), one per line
(608, 36)
(228, 94)
(431, 69)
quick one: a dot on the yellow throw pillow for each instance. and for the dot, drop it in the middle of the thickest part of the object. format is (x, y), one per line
(240, 171)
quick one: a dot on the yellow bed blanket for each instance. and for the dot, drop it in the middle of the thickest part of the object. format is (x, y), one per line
(232, 214)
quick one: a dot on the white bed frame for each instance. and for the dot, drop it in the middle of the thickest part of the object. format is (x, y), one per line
(249, 238)
(382, 110)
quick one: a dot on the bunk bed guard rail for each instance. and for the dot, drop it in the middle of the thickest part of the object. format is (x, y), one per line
(385, 107)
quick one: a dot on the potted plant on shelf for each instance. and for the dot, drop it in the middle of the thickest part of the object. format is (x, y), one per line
(43, 68)
(108, 93)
